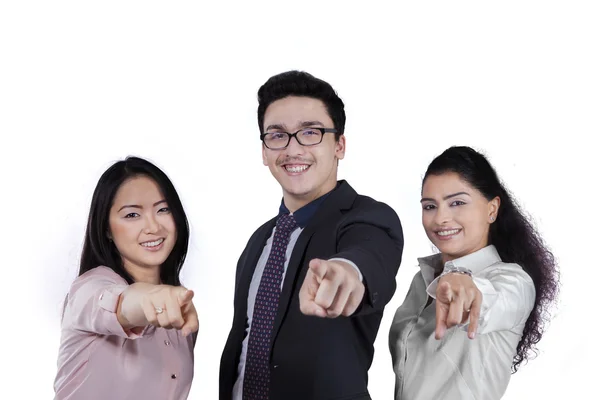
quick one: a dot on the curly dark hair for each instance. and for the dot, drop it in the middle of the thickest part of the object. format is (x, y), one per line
(514, 236)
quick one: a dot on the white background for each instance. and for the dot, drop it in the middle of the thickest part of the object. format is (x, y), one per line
(83, 84)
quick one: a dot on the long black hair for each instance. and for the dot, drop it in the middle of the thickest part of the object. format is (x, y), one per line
(513, 235)
(99, 250)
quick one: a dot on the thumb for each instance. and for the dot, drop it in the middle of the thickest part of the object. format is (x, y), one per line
(185, 296)
(318, 267)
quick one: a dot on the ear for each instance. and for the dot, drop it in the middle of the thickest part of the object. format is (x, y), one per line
(264, 154)
(340, 147)
(493, 208)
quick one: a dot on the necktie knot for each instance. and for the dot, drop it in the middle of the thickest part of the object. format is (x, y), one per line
(286, 223)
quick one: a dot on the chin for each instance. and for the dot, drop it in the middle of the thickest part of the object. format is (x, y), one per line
(449, 249)
(299, 190)
(155, 259)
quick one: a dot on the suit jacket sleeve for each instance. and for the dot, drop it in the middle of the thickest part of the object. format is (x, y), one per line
(371, 237)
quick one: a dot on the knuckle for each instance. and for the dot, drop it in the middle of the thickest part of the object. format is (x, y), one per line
(350, 308)
(335, 313)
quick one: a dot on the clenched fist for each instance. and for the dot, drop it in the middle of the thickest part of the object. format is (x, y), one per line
(164, 306)
(331, 289)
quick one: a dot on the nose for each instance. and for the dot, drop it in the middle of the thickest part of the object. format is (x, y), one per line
(152, 225)
(294, 148)
(442, 215)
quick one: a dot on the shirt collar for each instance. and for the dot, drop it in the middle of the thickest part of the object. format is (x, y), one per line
(476, 262)
(305, 213)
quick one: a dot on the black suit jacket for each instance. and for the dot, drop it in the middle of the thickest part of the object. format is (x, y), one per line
(322, 358)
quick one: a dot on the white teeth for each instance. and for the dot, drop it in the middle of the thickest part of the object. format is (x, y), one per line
(153, 244)
(448, 233)
(296, 168)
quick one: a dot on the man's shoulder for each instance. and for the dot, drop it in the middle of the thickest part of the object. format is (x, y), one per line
(348, 196)
(364, 203)
(366, 209)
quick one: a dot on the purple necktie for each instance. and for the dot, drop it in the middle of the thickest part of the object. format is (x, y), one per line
(257, 373)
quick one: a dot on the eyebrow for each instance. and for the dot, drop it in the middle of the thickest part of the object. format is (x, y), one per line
(303, 124)
(140, 207)
(445, 197)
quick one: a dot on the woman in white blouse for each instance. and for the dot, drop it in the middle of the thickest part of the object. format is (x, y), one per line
(475, 310)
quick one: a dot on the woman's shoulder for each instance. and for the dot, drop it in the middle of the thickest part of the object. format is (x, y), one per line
(513, 271)
(100, 273)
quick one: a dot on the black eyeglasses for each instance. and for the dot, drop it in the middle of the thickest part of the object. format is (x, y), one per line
(305, 137)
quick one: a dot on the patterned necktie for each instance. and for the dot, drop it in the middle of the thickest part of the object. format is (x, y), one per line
(257, 373)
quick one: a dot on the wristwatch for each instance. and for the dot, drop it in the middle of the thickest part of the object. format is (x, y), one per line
(453, 269)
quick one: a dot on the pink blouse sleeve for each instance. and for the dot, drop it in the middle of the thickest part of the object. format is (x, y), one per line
(92, 304)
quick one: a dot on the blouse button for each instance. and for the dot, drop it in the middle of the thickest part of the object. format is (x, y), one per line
(173, 376)
(167, 343)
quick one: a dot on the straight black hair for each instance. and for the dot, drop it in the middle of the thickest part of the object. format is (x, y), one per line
(98, 249)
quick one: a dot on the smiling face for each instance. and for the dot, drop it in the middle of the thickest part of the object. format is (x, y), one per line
(456, 217)
(141, 226)
(304, 172)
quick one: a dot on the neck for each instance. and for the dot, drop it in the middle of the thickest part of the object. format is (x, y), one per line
(446, 258)
(294, 202)
(450, 257)
(144, 274)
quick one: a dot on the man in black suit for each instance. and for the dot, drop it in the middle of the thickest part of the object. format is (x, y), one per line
(312, 283)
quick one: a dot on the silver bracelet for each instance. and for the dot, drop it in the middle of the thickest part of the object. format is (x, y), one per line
(457, 270)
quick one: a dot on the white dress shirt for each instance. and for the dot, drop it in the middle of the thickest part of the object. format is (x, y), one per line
(457, 367)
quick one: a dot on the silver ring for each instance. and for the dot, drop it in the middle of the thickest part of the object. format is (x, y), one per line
(159, 310)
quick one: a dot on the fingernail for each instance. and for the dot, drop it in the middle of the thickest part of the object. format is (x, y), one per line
(472, 335)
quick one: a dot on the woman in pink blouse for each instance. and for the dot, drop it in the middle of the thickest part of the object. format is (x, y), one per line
(129, 327)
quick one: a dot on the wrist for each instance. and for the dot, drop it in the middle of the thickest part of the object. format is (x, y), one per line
(129, 308)
(348, 266)
(121, 317)
(457, 270)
